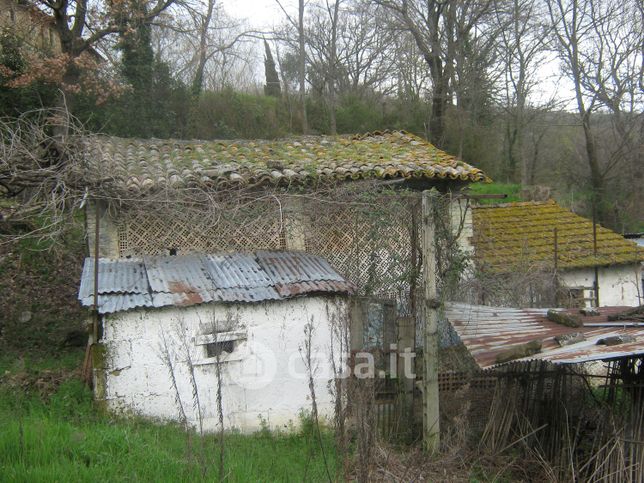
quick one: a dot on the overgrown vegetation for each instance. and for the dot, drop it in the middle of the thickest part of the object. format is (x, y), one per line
(40, 313)
(51, 431)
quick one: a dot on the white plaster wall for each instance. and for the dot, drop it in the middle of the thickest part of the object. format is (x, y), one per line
(460, 211)
(265, 377)
(618, 284)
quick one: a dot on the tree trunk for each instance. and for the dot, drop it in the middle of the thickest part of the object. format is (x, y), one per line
(431, 51)
(302, 70)
(596, 177)
(332, 68)
(197, 83)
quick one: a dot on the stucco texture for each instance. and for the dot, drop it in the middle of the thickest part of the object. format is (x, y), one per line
(264, 379)
(618, 285)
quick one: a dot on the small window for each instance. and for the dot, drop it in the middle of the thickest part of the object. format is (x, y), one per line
(217, 349)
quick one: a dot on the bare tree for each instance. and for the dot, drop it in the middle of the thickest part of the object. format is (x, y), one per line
(205, 47)
(410, 71)
(322, 31)
(433, 25)
(522, 42)
(333, 12)
(203, 21)
(302, 64)
(301, 58)
(365, 57)
(599, 44)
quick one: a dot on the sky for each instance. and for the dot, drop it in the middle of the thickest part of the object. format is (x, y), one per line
(259, 13)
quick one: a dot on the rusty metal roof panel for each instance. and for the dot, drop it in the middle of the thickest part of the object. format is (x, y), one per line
(589, 350)
(301, 288)
(293, 267)
(171, 274)
(235, 270)
(489, 331)
(164, 281)
(255, 294)
(114, 275)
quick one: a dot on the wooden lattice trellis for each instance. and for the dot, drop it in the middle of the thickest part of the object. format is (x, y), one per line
(257, 227)
(369, 243)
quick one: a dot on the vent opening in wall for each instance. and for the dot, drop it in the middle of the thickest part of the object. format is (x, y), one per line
(221, 347)
(216, 349)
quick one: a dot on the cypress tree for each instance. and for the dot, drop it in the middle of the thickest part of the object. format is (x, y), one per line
(272, 87)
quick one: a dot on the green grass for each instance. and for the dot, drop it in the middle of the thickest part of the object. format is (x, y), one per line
(513, 192)
(61, 437)
(14, 362)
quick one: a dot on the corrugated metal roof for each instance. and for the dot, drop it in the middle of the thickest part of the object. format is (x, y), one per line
(236, 270)
(171, 274)
(122, 276)
(488, 332)
(163, 281)
(284, 268)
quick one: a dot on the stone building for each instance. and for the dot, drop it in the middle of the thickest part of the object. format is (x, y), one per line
(31, 25)
(591, 267)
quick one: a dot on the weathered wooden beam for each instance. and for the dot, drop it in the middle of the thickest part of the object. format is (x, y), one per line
(357, 324)
(431, 417)
(405, 370)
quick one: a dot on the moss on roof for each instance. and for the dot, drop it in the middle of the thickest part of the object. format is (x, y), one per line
(146, 164)
(522, 234)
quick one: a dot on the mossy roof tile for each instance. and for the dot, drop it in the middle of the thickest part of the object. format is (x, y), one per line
(148, 164)
(516, 235)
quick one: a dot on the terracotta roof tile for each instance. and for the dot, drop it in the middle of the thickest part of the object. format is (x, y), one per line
(521, 234)
(142, 165)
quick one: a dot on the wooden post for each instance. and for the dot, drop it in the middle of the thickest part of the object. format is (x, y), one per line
(97, 234)
(431, 427)
(295, 222)
(405, 344)
(93, 337)
(596, 281)
(556, 249)
(357, 324)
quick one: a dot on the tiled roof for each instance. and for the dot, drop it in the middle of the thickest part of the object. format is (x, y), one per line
(488, 332)
(522, 234)
(141, 165)
(160, 281)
